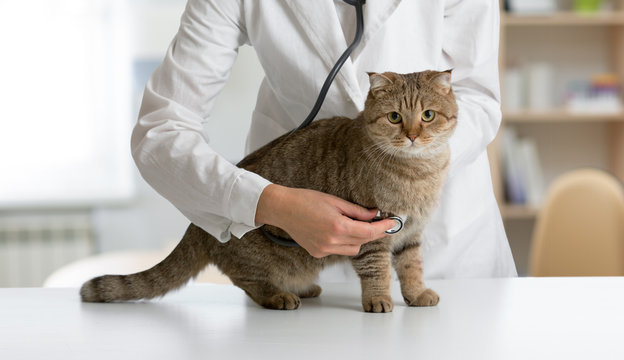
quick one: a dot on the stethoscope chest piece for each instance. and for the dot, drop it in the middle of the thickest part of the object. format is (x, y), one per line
(399, 220)
(398, 227)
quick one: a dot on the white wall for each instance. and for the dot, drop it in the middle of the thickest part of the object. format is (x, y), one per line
(150, 220)
(144, 219)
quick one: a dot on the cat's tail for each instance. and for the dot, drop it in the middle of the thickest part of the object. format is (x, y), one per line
(186, 261)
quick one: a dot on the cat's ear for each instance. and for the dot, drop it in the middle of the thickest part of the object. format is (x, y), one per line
(378, 82)
(442, 81)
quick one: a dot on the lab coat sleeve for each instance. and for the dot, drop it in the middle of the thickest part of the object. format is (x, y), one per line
(168, 143)
(470, 48)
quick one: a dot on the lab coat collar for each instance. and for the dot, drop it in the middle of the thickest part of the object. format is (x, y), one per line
(321, 24)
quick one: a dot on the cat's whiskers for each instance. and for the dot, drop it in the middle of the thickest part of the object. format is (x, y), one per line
(384, 156)
(373, 155)
(375, 159)
(396, 152)
(371, 151)
(386, 153)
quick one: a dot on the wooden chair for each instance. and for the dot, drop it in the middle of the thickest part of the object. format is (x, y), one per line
(580, 229)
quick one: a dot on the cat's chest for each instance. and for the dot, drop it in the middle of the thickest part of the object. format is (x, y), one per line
(406, 192)
(410, 198)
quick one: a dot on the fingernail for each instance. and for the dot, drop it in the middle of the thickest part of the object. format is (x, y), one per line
(398, 225)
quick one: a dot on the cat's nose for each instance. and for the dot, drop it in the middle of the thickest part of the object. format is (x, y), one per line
(412, 137)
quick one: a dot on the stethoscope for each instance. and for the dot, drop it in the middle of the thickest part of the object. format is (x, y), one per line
(317, 106)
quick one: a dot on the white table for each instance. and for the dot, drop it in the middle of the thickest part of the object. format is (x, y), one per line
(566, 318)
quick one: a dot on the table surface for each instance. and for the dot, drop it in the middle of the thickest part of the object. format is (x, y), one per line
(523, 318)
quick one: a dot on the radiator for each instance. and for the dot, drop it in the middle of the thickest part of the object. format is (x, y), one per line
(32, 247)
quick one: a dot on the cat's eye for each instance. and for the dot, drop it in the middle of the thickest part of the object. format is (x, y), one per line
(428, 115)
(394, 117)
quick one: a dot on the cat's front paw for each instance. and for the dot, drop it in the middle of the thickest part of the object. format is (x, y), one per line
(425, 298)
(282, 301)
(378, 304)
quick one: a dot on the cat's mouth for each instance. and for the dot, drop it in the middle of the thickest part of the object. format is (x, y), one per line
(416, 148)
(407, 149)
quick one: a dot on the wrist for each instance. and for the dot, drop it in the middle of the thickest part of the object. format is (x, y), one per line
(268, 204)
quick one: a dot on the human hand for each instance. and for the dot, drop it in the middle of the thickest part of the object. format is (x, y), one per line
(322, 224)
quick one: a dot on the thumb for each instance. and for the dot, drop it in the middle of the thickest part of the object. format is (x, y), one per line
(356, 212)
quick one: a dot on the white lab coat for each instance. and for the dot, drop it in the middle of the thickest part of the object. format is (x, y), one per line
(297, 42)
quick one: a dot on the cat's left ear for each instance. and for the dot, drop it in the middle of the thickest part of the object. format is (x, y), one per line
(442, 81)
(378, 82)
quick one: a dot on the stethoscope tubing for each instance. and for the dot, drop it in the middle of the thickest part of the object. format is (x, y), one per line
(334, 71)
(321, 97)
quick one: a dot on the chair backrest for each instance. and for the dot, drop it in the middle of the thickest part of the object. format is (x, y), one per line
(580, 229)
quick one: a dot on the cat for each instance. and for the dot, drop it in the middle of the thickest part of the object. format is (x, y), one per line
(393, 156)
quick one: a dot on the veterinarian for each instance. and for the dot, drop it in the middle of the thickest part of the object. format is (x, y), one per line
(297, 43)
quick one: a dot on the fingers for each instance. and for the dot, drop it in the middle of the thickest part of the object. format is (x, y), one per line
(347, 237)
(365, 232)
(352, 235)
(347, 250)
(322, 224)
(349, 241)
(355, 211)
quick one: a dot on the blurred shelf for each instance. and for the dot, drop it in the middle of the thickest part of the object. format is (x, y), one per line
(565, 19)
(518, 212)
(559, 116)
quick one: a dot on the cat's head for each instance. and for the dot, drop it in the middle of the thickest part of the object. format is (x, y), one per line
(410, 115)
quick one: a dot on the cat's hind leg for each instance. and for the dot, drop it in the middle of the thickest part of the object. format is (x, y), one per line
(268, 295)
(311, 292)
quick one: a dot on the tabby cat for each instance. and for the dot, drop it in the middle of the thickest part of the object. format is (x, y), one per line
(393, 156)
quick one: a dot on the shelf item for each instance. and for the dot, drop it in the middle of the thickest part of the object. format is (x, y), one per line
(560, 115)
(523, 176)
(564, 18)
(532, 7)
(601, 93)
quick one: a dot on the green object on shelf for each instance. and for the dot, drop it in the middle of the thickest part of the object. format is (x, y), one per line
(587, 5)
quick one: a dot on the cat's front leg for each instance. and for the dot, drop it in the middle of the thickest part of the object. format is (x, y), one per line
(408, 264)
(372, 265)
